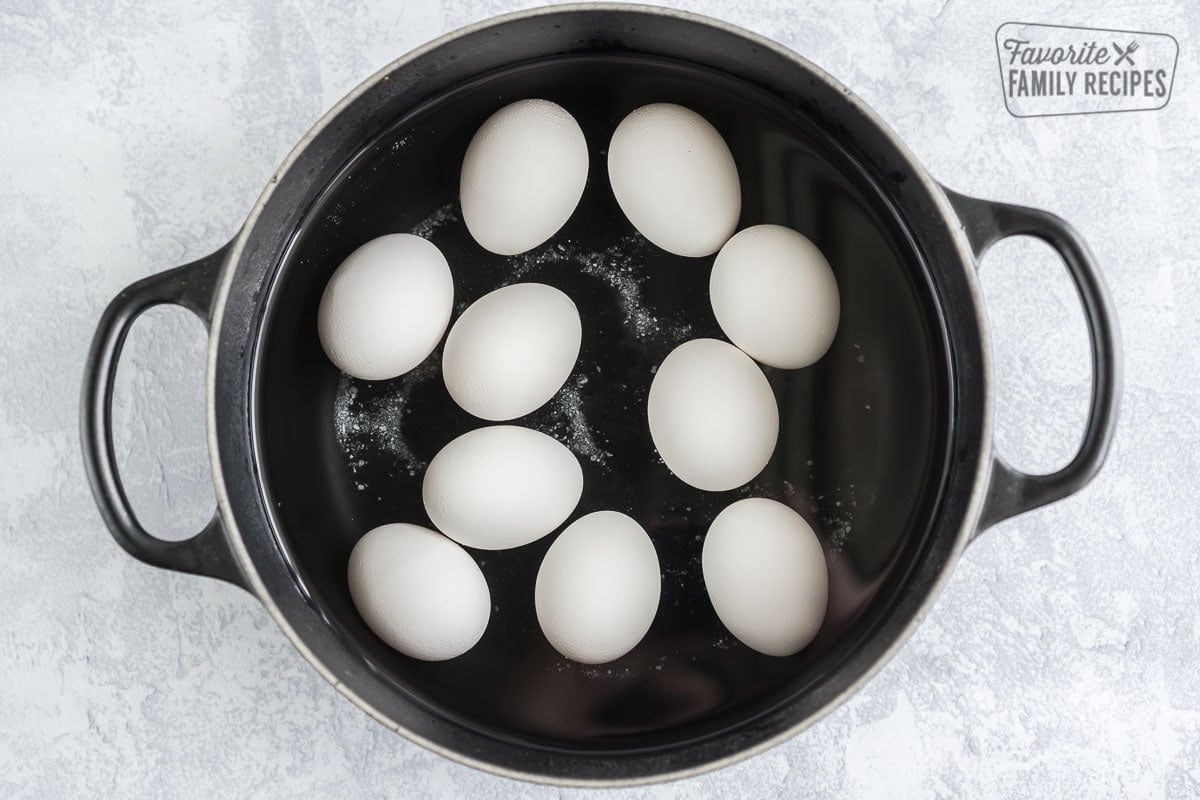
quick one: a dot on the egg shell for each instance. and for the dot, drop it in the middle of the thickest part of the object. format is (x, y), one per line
(712, 415)
(675, 179)
(511, 350)
(766, 576)
(418, 591)
(522, 176)
(598, 588)
(500, 487)
(386, 307)
(775, 296)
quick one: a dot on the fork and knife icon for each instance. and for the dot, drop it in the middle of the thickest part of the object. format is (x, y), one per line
(1125, 54)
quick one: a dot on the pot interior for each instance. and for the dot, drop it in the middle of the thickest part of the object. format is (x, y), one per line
(862, 451)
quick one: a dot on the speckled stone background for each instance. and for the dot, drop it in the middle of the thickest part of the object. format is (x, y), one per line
(1061, 659)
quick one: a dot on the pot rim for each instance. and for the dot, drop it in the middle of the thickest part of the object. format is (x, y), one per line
(973, 507)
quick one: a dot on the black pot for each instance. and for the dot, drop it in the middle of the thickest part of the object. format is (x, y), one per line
(886, 444)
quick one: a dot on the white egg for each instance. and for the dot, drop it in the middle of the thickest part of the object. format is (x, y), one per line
(386, 307)
(598, 587)
(500, 487)
(511, 350)
(766, 576)
(675, 179)
(712, 415)
(775, 297)
(419, 592)
(522, 176)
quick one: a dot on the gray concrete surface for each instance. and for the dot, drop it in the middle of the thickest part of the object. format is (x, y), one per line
(1061, 660)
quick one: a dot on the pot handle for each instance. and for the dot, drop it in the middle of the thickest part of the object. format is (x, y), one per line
(1010, 491)
(191, 286)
